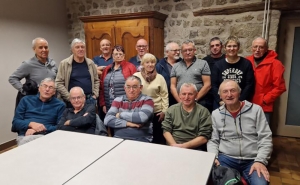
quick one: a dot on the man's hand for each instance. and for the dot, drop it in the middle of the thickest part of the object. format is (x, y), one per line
(161, 116)
(38, 127)
(99, 70)
(133, 125)
(118, 115)
(30, 132)
(217, 163)
(260, 168)
(67, 123)
(104, 109)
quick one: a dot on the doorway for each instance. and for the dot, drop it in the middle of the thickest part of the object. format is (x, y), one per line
(286, 115)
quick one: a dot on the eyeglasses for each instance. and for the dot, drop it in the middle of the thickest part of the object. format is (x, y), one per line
(142, 46)
(134, 87)
(258, 47)
(118, 54)
(175, 50)
(188, 50)
(47, 86)
(76, 98)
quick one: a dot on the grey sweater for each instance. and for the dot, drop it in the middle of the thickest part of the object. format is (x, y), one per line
(248, 136)
(33, 69)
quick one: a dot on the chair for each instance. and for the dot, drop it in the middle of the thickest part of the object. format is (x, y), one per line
(100, 127)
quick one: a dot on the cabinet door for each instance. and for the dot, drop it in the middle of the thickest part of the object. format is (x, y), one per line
(128, 36)
(93, 38)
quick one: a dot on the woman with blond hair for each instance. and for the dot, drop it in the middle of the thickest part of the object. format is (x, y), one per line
(155, 86)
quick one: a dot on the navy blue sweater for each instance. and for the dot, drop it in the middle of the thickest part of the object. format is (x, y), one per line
(32, 109)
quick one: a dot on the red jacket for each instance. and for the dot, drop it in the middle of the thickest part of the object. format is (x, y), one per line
(269, 81)
(128, 69)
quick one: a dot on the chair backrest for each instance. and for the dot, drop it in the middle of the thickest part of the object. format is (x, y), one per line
(100, 127)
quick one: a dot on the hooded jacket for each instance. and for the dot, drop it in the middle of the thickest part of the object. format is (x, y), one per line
(269, 80)
(248, 136)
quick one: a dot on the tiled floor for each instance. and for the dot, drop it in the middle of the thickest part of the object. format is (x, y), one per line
(284, 165)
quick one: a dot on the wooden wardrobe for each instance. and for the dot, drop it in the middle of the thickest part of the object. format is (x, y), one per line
(125, 30)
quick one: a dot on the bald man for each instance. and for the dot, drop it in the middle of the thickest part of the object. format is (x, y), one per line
(141, 48)
(105, 58)
(268, 72)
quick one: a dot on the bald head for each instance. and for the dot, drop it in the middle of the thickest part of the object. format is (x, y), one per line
(141, 47)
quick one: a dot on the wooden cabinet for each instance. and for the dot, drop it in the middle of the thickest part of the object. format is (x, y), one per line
(125, 30)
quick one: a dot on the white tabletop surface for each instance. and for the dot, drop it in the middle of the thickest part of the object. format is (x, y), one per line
(52, 159)
(137, 163)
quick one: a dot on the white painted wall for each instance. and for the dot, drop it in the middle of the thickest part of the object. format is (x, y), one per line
(20, 22)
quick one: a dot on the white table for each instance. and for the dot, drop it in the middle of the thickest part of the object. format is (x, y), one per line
(137, 163)
(53, 159)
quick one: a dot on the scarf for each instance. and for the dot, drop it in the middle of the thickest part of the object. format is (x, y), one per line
(149, 77)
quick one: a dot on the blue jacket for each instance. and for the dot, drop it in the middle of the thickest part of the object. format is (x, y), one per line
(31, 108)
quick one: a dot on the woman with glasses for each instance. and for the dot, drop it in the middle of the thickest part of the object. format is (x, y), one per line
(113, 78)
(233, 67)
(155, 86)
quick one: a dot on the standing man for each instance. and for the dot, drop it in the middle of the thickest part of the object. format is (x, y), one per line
(77, 70)
(191, 70)
(35, 69)
(131, 114)
(241, 137)
(105, 58)
(216, 54)
(81, 117)
(37, 115)
(165, 65)
(268, 72)
(187, 124)
(141, 48)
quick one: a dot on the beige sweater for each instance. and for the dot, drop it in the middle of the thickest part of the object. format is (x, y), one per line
(157, 90)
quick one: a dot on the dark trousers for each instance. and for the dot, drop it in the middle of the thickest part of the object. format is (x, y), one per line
(158, 136)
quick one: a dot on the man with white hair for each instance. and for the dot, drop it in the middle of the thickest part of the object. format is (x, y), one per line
(241, 137)
(35, 69)
(37, 115)
(81, 117)
(164, 66)
(187, 124)
(77, 70)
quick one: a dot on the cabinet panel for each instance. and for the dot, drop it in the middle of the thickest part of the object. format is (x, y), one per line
(128, 36)
(94, 37)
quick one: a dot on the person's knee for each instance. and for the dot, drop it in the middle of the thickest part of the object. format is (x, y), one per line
(254, 179)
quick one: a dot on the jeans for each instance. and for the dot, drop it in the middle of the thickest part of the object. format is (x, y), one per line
(243, 166)
(90, 100)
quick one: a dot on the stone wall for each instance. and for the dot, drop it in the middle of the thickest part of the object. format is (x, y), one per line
(181, 24)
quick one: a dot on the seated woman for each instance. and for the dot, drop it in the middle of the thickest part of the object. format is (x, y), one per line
(155, 86)
(80, 118)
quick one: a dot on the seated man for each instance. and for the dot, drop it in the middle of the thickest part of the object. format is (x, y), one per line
(39, 114)
(130, 115)
(80, 118)
(241, 136)
(187, 124)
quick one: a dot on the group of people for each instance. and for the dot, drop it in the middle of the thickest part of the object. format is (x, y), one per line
(221, 103)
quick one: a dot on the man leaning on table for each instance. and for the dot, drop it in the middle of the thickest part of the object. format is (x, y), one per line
(241, 137)
(81, 117)
(37, 115)
(187, 124)
(131, 114)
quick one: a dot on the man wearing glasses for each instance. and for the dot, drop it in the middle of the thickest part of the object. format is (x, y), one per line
(141, 48)
(241, 137)
(80, 118)
(165, 65)
(37, 115)
(191, 70)
(268, 72)
(130, 115)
